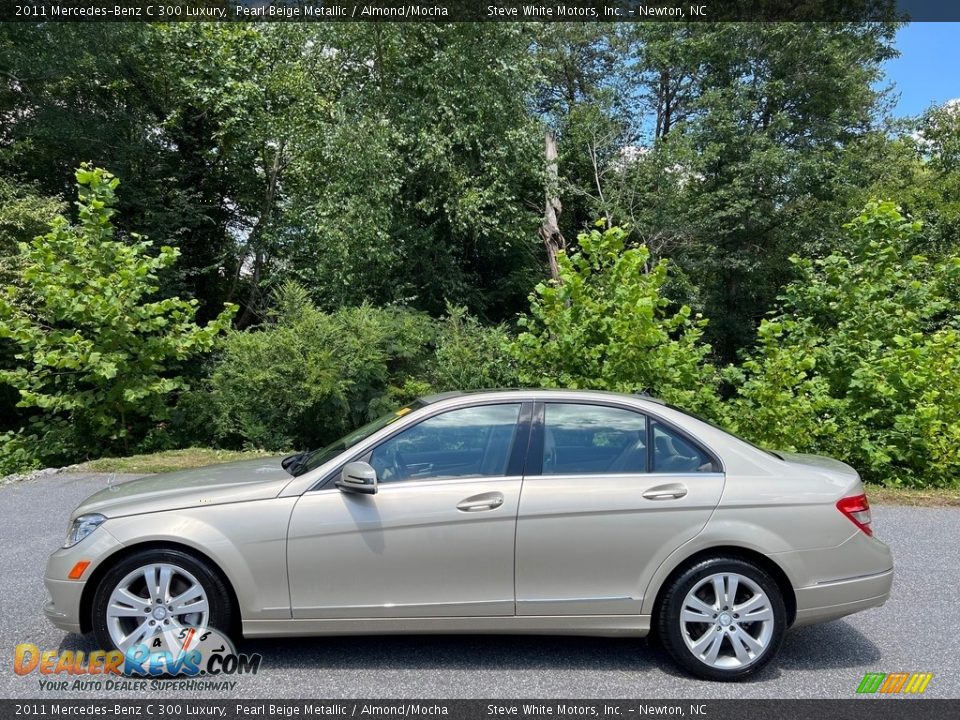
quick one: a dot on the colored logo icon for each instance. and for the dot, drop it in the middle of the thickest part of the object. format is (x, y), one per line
(894, 683)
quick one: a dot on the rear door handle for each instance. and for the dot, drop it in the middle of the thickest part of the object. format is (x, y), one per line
(478, 503)
(673, 491)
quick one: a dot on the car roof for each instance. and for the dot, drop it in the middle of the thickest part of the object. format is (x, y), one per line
(514, 392)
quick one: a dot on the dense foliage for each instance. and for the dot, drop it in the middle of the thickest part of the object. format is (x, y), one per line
(605, 325)
(403, 163)
(307, 376)
(369, 196)
(311, 376)
(96, 354)
(862, 361)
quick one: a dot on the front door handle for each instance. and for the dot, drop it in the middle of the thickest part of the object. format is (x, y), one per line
(672, 491)
(478, 503)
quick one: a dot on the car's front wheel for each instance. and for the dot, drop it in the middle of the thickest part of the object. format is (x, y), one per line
(722, 619)
(152, 595)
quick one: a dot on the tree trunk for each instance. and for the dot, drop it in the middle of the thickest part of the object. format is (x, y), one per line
(550, 230)
(259, 257)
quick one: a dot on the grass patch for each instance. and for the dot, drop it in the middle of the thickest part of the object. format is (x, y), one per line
(168, 460)
(930, 497)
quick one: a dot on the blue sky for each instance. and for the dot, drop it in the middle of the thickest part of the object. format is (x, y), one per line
(928, 69)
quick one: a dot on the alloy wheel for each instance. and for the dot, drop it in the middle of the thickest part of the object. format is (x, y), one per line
(159, 599)
(727, 621)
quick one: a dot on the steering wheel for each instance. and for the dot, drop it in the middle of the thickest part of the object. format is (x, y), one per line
(399, 466)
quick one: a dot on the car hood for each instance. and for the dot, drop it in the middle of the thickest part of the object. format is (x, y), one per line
(821, 462)
(212, 485)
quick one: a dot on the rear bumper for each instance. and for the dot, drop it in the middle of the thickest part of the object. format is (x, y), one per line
(831, 600)
(830, 582)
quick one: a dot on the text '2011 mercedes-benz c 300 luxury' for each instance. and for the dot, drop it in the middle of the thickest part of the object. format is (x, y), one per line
(522, 511)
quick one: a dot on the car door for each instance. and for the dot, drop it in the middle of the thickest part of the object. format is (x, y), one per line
(612, 492)
(437, 539)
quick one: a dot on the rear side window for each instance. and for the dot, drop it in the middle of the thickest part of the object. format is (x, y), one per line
(674, 453)
(593, 439)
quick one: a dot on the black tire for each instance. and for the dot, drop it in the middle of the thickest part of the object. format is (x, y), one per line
(670, 631)
(221, 614)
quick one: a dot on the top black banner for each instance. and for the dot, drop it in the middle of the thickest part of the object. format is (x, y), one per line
(478, 11)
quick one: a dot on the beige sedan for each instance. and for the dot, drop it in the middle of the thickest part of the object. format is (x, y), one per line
(528, 511)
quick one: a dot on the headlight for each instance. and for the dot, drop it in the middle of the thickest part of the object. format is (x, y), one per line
(81, 527)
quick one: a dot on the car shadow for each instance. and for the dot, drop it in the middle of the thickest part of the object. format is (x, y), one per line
(834, 645)
(73, 642)
(456, 652)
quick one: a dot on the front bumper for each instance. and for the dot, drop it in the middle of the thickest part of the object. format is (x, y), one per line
(67, 597)
(63, 608)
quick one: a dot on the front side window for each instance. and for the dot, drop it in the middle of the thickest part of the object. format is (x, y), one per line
(593, 439)
(463, 443)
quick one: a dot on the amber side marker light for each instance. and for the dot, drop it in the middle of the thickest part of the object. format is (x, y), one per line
(79, 569)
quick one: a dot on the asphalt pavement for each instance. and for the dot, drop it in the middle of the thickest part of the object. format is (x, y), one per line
(917, 630)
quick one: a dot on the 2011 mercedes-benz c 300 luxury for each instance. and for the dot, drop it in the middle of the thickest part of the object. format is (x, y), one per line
(540, 511)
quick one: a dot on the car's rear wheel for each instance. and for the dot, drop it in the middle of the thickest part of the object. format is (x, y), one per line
(722, 619)
(151, 596)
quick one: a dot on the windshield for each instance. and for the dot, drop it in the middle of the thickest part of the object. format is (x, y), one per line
(313, 459)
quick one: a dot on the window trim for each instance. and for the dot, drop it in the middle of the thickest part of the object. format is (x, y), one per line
(538, 431)
(515, 461)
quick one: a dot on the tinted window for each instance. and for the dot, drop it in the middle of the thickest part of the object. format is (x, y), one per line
(672, 452)
(591, 439)
(469, 442)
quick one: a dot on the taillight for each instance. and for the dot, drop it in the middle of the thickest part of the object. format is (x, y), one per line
(857, 508)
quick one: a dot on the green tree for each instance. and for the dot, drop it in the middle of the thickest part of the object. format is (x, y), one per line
(245, 105)
(767, 141)
(730, 159)
(862, 360)
(423, 184)
(201, 121)
(606, 326)
(921, 168)
(97, 354)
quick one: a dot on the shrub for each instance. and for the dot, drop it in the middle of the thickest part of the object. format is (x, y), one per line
(470, 356)
(862, 361)
(18, 453)
(307, 377)
(606, 326)
(97, 353)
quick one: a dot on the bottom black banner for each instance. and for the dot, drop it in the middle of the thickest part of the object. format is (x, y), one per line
(871, 709)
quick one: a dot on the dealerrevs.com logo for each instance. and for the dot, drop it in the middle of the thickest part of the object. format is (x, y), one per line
(894, 683)
(174, 660)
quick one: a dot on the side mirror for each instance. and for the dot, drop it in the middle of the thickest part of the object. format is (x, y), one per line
(358, 477)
